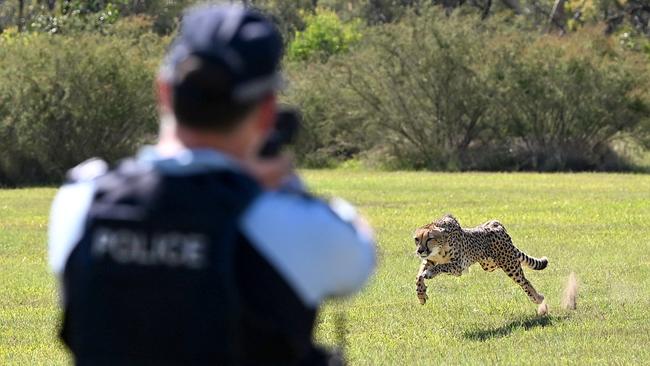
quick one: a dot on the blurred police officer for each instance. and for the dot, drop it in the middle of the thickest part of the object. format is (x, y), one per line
(193, 252)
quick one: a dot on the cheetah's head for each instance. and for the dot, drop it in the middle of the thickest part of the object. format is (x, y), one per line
(429, 241)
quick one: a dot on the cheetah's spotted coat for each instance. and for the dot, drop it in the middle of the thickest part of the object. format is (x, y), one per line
(445, 247)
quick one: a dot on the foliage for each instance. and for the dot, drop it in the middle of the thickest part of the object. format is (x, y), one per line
(567, 102)
(73, 16)
(386, 11)
(324, 35)
(393, 83)
(132, 27)
(457, 93)
(617, 14)
(422, 89)
(323, 140)
(164, 14)
(65, 99)
(286, 14)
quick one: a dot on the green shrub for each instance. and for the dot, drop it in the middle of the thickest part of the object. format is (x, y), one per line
(564, 101)
(133, 26)
(455, 93)
(324, 35)
(331, 132)
(386, 11)
(65, 99)
(73, 16)
(415, 89)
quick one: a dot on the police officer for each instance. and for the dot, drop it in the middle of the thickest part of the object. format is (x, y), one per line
(194, 251)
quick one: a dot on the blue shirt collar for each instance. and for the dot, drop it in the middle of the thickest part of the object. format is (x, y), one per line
(188, 161)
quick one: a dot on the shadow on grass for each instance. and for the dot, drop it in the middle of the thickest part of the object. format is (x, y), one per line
(525, 323)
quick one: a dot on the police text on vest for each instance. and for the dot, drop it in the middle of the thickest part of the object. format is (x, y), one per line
(173, 249)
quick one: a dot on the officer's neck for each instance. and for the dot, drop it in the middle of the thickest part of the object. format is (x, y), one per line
(175, 138)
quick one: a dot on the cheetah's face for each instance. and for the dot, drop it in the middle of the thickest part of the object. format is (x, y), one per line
(428, 241)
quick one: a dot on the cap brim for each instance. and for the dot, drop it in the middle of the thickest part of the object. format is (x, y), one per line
(256, 89)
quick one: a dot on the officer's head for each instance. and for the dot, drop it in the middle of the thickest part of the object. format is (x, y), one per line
(222, 72)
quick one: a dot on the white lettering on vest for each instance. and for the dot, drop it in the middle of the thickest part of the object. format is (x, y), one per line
(173, 249)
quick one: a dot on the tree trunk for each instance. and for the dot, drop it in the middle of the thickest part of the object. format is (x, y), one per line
(21, 8)
(558, 17)
(513, 4)
(486, 9)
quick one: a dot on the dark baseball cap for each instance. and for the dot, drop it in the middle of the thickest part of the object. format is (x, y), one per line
(241, 41)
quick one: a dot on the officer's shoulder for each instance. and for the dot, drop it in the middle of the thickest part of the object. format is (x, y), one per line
(87, 171)
(282, 209)
(275, 199)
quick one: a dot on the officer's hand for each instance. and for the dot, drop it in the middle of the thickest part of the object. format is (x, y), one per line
(271, 172)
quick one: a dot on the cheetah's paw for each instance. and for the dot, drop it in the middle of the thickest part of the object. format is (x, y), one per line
(422, 297)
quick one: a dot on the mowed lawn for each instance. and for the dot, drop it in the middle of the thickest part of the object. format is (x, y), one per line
(597, 225)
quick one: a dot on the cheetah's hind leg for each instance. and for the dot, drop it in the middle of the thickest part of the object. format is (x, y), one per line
(517, 274)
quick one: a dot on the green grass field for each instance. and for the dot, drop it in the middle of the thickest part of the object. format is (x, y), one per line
(597, 225)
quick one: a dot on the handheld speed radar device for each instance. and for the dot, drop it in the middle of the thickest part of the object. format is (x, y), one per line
(286, 129)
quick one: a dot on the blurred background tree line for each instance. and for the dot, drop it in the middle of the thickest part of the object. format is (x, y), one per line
(545, 85)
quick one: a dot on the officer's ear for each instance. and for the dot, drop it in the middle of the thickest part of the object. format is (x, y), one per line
(164, 94)
(267, 113)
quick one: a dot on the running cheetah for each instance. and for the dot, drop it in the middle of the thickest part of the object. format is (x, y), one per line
(445, 247)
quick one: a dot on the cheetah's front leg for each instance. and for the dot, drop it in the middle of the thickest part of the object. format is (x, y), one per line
(451, 268)
(420, 287)
(429, 270)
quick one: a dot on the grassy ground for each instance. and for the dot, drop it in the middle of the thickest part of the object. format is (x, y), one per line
(597, 225)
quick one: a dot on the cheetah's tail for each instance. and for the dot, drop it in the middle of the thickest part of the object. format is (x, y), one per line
(531, 262)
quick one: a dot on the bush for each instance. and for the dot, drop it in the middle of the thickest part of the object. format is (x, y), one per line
(413, 92)
(134, 26)
(564, 101)
(73, 16)
(324, 35)
(455, 93)
(65, 99)
(331, 132)
(425, 90)
(386, 11)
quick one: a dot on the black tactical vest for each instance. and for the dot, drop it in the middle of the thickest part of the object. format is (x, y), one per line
(163, 276)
